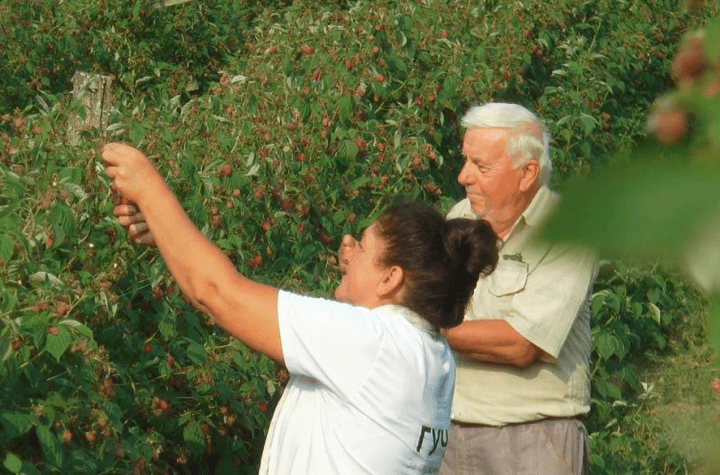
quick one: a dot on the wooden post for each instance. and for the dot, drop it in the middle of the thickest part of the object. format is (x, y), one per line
(94, 92)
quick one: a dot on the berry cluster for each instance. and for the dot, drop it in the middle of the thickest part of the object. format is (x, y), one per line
(696, 73)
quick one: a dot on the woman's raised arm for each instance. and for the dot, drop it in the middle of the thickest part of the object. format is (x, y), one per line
(245, 308)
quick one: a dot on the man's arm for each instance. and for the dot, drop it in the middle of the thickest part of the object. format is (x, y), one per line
(552, 299)
(246, 309)
(492, 341)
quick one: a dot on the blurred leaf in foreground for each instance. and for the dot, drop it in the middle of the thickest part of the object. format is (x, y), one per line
(649, 209)
(667, 209)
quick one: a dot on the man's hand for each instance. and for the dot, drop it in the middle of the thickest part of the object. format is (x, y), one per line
(130, 218)
(347, 246)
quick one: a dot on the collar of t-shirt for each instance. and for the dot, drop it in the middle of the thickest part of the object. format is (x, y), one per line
(409, 315)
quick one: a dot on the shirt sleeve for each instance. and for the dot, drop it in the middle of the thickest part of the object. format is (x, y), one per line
(332, 342)
(553, 295)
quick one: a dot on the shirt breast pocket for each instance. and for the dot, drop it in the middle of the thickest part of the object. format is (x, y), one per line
(508, 278)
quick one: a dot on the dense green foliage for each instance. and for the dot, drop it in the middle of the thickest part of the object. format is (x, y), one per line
(43, 43)
(307, 120)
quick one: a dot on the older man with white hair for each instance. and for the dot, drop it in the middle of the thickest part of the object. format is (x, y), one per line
(523, 351)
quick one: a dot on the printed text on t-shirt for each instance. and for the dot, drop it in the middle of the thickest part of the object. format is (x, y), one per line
(438, 436)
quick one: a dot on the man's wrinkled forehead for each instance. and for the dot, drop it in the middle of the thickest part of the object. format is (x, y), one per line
(492, 133)
(495, 133)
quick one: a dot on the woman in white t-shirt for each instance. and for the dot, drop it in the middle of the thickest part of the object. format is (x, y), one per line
(371, 378)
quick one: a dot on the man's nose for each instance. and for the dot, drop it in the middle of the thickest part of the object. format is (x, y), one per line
(464, 176)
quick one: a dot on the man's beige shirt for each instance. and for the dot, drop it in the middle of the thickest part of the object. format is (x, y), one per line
(543, 291)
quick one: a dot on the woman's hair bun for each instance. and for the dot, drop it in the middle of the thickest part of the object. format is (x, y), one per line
(473, 243)
(442, 259)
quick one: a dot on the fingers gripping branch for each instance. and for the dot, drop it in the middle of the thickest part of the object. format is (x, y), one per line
(129, 169)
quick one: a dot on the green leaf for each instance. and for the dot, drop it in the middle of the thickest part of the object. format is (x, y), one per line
(196, 352)
(345, 107)
(167, 326)
(78, 462)
(358, 182)
(449, 88)
(194, 437)
(588, 123)
(50, 445)
(46, 278)
(597, 302)
(607, 389)
(338, 217)
(16, 423)
(398, 64)
(653, 295)
(63, 222)
(56, 345)
(59, 401)
(75, 190)
(608, 345)
(13, 463)
(77, 326)
(348, 149)
(137, 133)
(6, 247)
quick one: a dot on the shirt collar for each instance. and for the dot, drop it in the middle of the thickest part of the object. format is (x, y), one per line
(537, 211)
(409, 315)
(540, 207)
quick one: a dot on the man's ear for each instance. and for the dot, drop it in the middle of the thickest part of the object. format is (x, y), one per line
(392, 283)
(530, 173)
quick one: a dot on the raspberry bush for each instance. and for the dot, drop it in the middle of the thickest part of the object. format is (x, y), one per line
(282, 126)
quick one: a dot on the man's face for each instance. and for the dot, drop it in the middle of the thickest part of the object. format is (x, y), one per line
(491, 183)
(359, 283)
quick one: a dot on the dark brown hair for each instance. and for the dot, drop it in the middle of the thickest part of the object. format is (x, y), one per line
(442, 259)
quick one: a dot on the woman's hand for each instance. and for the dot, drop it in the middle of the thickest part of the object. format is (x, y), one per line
(246, 309)
(347, 246)
(130, 170)
(130, 218)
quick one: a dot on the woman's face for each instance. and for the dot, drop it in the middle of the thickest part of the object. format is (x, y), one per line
(360, 282)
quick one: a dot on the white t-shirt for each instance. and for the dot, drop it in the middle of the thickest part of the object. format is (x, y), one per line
(370, 391)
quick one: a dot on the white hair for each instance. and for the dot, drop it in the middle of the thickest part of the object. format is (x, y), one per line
(529, 136)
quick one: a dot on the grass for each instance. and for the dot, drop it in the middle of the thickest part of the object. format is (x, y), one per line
(680, 414)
